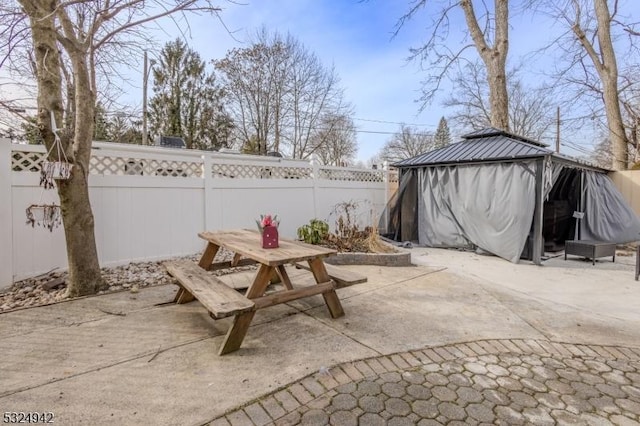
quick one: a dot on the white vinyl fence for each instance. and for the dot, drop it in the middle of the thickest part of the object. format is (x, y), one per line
(149, 203)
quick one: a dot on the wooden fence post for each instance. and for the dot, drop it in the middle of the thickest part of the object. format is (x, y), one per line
(6, 215)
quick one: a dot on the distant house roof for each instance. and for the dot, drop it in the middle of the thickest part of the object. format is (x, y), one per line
(170, 142)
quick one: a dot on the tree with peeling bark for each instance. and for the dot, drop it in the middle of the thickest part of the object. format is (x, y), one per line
(73, 34)
(491, 41)
(593, 63)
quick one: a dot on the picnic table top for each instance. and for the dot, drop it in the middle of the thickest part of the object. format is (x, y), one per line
(248, 244)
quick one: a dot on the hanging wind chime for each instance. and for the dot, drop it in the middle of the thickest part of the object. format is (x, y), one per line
(49, 215)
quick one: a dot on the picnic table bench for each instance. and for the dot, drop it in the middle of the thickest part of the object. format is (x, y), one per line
(222, 301)
(195, 283)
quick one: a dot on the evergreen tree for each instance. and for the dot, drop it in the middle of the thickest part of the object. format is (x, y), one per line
(442, 137)
(31, 131)
(187, 102)
(122, 129)
(100, 128)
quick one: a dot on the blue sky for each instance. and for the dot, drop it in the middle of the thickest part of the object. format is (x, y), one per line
(356, 38)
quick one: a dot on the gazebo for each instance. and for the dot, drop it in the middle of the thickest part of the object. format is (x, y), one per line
(507, 195)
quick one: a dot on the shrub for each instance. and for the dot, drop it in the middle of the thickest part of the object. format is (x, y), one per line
(314, 232)
(348, 236)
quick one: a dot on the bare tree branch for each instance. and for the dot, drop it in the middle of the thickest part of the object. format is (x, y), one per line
(182, 6)
(75, 33)
(490, 42)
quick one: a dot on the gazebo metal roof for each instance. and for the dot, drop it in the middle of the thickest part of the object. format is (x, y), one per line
(486, 145)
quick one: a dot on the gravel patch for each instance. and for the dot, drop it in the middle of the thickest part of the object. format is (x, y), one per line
(131, 277)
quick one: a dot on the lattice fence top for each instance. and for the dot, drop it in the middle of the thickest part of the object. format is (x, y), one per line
(25, 161)
(352, 175)
(122, 166)
(248, 171)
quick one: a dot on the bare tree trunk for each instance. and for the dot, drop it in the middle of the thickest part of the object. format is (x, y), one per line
(617, 135)
(84, 270)
(80, 30)
(82, 254)
(494, 58)
(47, 67)
(606, 65)
(609, 75)
(498, 95)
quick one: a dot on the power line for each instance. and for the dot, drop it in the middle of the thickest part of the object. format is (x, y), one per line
(577, 147)
(400, 123)
(130, 115)
(374, 132)
(569, 144)
(586, 151)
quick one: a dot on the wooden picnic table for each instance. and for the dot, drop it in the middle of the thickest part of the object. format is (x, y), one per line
(222, 301)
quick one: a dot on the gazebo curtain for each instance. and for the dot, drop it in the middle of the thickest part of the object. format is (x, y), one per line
(607, 216)
(489, 206)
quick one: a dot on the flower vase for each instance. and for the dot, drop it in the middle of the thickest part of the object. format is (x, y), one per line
(269, 237)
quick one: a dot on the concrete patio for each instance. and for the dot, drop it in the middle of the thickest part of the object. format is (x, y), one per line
(128, 358)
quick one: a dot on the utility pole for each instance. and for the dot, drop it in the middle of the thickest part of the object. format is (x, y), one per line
(145, 80)
(634, 138)
(558, 130)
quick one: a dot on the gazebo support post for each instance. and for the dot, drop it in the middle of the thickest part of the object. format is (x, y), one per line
(538, 213)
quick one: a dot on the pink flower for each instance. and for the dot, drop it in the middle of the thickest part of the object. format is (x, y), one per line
(266, 221)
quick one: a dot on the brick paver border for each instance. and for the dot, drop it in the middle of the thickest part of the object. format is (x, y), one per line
(284, 406)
